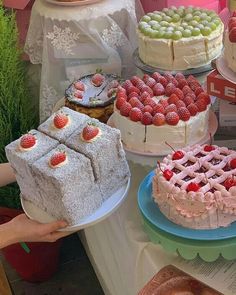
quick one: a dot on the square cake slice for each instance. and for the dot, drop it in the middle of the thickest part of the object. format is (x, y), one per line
(21, 153)
(102, 145)
(67, 185)
(62, 124)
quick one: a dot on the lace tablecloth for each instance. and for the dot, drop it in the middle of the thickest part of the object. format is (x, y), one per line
(70, 41)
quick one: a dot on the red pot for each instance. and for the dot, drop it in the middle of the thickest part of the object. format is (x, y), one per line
(38, 265)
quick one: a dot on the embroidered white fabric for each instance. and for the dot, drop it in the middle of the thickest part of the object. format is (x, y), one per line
(71, 41)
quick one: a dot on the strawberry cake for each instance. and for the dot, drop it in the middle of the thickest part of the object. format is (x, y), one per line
(196, 187)
(181, 38)
(230, 43)
(70, 166)
(93, 95)
(156, 109)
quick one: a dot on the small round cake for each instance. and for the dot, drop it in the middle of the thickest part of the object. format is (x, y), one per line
(93, 95)
(196, 187)
(180, 38)
(153, 110)
(230, 43)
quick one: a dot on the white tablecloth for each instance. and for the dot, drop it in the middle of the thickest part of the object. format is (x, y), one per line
(70, 41)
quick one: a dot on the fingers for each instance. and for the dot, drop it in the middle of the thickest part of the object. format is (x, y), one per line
(54, 236)
(53, 226)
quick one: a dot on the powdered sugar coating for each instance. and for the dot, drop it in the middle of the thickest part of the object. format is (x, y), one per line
(212, 205)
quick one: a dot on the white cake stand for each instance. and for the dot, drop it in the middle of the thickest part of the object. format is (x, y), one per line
(224, 70)
(107, 208)
(73, 3)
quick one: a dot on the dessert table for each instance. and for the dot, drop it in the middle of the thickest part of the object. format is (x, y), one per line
(64, 38)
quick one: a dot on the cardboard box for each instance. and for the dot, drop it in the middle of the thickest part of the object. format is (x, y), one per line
(227, 113)
(221, 88)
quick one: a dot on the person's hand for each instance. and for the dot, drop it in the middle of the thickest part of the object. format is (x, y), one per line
(22, 229)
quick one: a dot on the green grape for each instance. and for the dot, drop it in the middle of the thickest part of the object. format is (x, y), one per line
(184, 25)
(147, 31)
(153, 23)
(177, 35)
(187, 33)
(167, 18)
(200, 26)
(203, 16)
(157, 17)
(196, 31)
(197, 13)
(142, 26)
(204, 22)
(197, 18)
(212, 14)
(193, 23)
(173, 7)
(188, 17)
(189, 9)
(217, 21)
(180, 12)
(206, 31)
(154, 34)
(164, 23)
(146, 18)
(212, 26)
(181, 7)
(168, 35)
(165, 10)
(169, 29)
(163, 29)
(150, 14)
(189, 28)
(208, 18)
(175, 18)
(179, 28)
(170, 12)
(156, 27)
(159, 34)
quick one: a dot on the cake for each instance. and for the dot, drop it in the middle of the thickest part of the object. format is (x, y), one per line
(180, 38)
(196, 187)
(230, 43)
(70, 166)
(156, 109)
(93, 95)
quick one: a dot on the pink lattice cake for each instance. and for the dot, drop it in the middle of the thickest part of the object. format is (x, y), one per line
(196, 187)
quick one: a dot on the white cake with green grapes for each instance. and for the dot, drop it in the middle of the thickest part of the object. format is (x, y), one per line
(180, 38)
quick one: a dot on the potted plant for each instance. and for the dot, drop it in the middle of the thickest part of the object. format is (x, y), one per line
(18, 114)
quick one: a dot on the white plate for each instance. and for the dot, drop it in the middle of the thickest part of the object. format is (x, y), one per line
(74, 3)
(213, 125)
(224, 70)
(107, 208)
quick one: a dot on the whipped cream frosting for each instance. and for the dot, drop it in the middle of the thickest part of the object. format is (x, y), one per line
(230, 52)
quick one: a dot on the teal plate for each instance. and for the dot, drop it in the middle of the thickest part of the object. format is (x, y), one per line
(153, 214)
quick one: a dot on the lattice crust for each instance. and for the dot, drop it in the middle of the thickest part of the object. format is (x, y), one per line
(208, 169)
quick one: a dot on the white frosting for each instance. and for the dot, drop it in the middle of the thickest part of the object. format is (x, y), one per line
(230, 52)
(151, 138)
(181, 54)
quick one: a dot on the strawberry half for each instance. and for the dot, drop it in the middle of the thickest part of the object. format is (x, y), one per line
(90, 131)
(60, 120)
(57, 158)
(27, 141)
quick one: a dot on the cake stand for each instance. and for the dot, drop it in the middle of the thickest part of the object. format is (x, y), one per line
(104, 211)
(150, 70)
(188, 243)
(224, 70)
(73, 3)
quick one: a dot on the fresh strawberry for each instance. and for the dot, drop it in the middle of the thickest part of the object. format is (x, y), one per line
(194, 85)
(184, 114)
(171, 108)
(119, 102)
(60, 120)
(139, 106)
(133, 101)
(156, 76)
(97, 79)
(145, 78)
(150, 82)
(170, 88)
(134, 80)
(164, 102)
(158, 89)
(232, 35)
(193, 109)
(158, 109)
(172, 118)
(126, 84)
(132, 94)
(125, 109)
(198, 91)
(201, 105)
(191, 78)
(180, 104)
(179, 93)
(57, 158)
(158, 119)
(78, 94)
(144, 95)
(90, 131)
(79, 85)
(173, 98)
(27, 141)
(135, 114)
(140, 85)
(175, 82)
(146, 119)
(205, 97)
(150, 101)
(191, 94)
(122, 95)
(133, 89)
(188, 100)
(186, 89)
(120, 89)
(163, 81)
(193, 187)
(168, 76)
(147, 89)
(179, 76)
(182, 83)
(147, 108)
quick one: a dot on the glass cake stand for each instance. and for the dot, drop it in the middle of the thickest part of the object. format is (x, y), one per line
(149, 69)
(187, 242)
